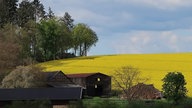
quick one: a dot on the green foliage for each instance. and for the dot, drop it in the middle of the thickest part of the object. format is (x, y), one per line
(53, 39)
(25, 12)
(98, 103)
(174, 87)
(28, 40)
(84, 38)
(24, 77)
(8, 12)
(41, 36)
(30, 11)
(117, 103)
(30, 104)
(68, 21)
(50, 14)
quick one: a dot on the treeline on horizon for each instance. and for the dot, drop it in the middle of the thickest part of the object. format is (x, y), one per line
(29, 34)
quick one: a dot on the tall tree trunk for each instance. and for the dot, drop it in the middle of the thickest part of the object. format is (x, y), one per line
(85, 49)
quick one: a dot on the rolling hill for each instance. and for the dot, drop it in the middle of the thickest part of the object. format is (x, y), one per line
(152, 66)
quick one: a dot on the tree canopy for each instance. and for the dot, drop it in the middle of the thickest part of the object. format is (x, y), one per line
(84, 38)
(174, 86)
(53, 39)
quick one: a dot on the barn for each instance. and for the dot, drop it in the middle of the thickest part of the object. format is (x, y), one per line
(57, 79)
(95, 84)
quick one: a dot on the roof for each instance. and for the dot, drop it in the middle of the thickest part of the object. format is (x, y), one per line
(50, 77)
(80, 75)
(59, 85)
(51, 74)
(64, 93)
(144, 91)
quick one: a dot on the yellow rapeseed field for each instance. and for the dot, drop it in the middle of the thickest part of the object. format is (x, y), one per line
(152, 66)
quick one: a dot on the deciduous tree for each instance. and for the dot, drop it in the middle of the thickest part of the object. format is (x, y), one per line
(174, 86)
(53, 39)
(84, 38)
(125, 77)
(9, 47)
(24, 77)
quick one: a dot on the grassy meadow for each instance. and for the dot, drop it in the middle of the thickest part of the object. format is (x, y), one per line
(152, 66)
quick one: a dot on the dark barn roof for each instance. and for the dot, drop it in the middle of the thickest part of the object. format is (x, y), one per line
(81, 75)
(68, 93)
(51, 78)
(52, 74)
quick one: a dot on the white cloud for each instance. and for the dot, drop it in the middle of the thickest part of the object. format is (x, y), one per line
(161, 4)
(151, 42)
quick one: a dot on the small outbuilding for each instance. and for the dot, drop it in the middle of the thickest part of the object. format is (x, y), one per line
(95, 84)
(143, 91)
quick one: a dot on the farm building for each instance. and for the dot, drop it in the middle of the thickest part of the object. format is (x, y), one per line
(60, 91)
(143, 91)
(95, 84)
(57, 79)
(57, 96)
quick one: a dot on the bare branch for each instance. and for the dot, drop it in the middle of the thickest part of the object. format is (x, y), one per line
(127, 76)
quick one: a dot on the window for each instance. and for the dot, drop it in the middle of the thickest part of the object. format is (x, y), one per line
(98, 79)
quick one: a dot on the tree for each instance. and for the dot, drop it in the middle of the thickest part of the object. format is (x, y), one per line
(39, 12)
(24, 77)
(30, 11)
(50, 14)
(25, 12)
(126, 77)
(9, 47)
(83, 38)
(28, 38)
(174, 86)
(68, 21)
(8, 12)
(53, 39)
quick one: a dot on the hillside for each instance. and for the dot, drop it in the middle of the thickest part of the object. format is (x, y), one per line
(153, 66)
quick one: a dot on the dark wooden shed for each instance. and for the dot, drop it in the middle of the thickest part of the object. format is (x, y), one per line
(95, 84)
(58, 96)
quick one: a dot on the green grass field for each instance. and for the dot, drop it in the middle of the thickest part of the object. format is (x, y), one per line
(152, 66)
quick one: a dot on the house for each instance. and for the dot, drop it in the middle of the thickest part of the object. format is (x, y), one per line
(95, 84)
(57, 96)
(143, 91)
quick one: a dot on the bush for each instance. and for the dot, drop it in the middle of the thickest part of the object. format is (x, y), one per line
(30, 104)
(117, 103)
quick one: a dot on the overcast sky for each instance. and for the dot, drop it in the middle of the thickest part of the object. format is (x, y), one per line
(132, 26)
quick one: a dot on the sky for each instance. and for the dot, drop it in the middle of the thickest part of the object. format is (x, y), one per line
(132, 26)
